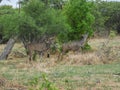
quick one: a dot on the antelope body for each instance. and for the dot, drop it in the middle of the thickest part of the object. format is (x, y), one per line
(39, 48)
(73, 46)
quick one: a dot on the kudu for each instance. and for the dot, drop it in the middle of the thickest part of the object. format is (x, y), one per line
(39, 48)
(72, 46)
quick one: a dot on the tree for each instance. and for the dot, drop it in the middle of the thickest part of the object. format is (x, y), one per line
(32, 24)
(4, 11)
(49, 21)
(7, 49)
(80, 18)
(6, 15)
(113, 13)
(106, 16)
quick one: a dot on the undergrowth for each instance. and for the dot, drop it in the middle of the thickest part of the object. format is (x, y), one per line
(46, 84)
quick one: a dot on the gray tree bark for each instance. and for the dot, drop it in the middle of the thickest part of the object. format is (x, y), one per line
(7, 49)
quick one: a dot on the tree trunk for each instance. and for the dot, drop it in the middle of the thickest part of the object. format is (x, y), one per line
(7, 49)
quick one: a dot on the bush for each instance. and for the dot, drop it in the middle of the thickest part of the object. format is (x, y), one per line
(45, 85)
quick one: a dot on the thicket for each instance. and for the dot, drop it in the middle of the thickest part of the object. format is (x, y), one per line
(107, 17)
(67, 20)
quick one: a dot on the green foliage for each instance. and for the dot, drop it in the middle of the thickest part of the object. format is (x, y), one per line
(33, 22)
(19, 25)
(79, 17)
(34, 8)
(34, 56)
(98, 25)
(49, 21)
(87, 47)
(6, 9)
(34, 81)
(106, 15)
(112, 34)
(45, 85)
(9, 23)
(28, 29)
(5, 21)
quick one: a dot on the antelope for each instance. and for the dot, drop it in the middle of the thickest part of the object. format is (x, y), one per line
(38, 48)
(72, 46)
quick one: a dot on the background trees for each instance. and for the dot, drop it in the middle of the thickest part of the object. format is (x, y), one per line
(79, 17)
(106, 16)
(39, 18)
(33, 22)
(66, 19)
(49, 22)
(6, 24)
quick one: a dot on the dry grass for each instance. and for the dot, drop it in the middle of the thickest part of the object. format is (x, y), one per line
(103, 51)
(15, 73)
(83, 59)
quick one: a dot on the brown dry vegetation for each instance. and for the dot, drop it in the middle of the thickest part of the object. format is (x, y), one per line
(103, 51)
(69, 74)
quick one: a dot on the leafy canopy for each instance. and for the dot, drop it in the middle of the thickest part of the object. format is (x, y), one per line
(80, 18)
(33, 22)
(49, 21)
